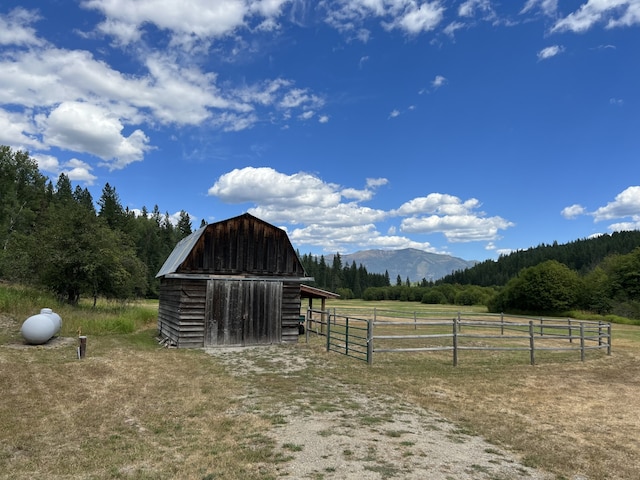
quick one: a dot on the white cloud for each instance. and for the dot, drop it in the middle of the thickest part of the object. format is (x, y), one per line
(438, 81)
(299, 97)
(43, 82)
(394, 113)
(267, 186)
(547, 7)
(417, 19)
(18, 130)
(616, 101)
(573, 211)
(549, 52)
(323, 119)
(308, 115)
(15, 28)
(332, 216)
(200, 18)
(350, 238)
(458, 221)
(626, 204)
(376, 182)
(613, 13)
(437, 203)
(83, 127)
(47, 163)
(470, 7)
(457, 228)
(409, 16)
(75, 169)
(626, 226)
(452, 28)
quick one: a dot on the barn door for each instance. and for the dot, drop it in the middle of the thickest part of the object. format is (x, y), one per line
(243, 312)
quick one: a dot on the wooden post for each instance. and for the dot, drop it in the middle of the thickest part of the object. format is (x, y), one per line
(609, 343)
(369, 342)
(346, 336)
(600, 333)
(329, 332)
(532, 344)
(82, 348)
(415, 321)
(582, 341)
(541, 327)
(455, 342)
(570, 331)
(501, 323)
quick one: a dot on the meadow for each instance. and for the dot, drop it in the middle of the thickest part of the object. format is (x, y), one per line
(132, 409)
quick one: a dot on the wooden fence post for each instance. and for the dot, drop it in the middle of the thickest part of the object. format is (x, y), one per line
(82, 348)
(307, 326)
(582, 341)
(570, 331)
(600, 333)
(609, 342)
(532, 344)
(501, 323)
(455, 342)
(415, 321)
(369, 342)
(329, 331)
(346, 336)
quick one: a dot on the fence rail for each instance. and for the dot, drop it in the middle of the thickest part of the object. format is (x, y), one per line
(361, 334)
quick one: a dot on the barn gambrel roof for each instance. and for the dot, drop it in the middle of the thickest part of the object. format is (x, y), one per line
(243, 245)
(180, 252)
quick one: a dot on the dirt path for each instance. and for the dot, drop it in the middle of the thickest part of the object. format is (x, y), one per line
(329, 430)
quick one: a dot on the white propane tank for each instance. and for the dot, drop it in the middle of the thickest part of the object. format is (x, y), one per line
(38, 329)
(54, 316)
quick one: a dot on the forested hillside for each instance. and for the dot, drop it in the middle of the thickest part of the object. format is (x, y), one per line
(580, 255)
(53, 236)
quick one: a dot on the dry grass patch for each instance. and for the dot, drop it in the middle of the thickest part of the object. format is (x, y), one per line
(568, 417)
(125, 411)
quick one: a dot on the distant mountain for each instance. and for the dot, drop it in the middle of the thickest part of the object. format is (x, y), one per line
(409, 262)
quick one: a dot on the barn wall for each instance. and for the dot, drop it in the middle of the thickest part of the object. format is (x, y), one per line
(243, 245)
(181, 311)
(243, 312)
(290, 312)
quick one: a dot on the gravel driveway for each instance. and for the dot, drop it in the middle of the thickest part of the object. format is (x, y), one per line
(332, 431)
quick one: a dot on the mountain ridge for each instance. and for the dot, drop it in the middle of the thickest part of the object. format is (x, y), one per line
(407, 262)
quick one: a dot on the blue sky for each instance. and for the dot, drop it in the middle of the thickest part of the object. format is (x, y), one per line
(471, 128)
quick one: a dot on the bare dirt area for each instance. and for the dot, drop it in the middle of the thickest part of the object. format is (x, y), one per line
(329, 430)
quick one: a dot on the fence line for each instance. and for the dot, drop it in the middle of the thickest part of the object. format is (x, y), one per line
(356, 337)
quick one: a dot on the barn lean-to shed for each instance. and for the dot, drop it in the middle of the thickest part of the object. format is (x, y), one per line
(234, 282)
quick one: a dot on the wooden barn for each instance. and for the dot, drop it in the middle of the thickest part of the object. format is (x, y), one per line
(234, 282)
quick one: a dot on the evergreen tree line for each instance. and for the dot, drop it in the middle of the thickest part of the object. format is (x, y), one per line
(349, 281)
(580, 255)
(55, 237)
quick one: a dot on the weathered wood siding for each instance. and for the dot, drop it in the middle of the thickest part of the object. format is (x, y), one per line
(243, 312)
(181, 311)
(243, 245)
(290, 312)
